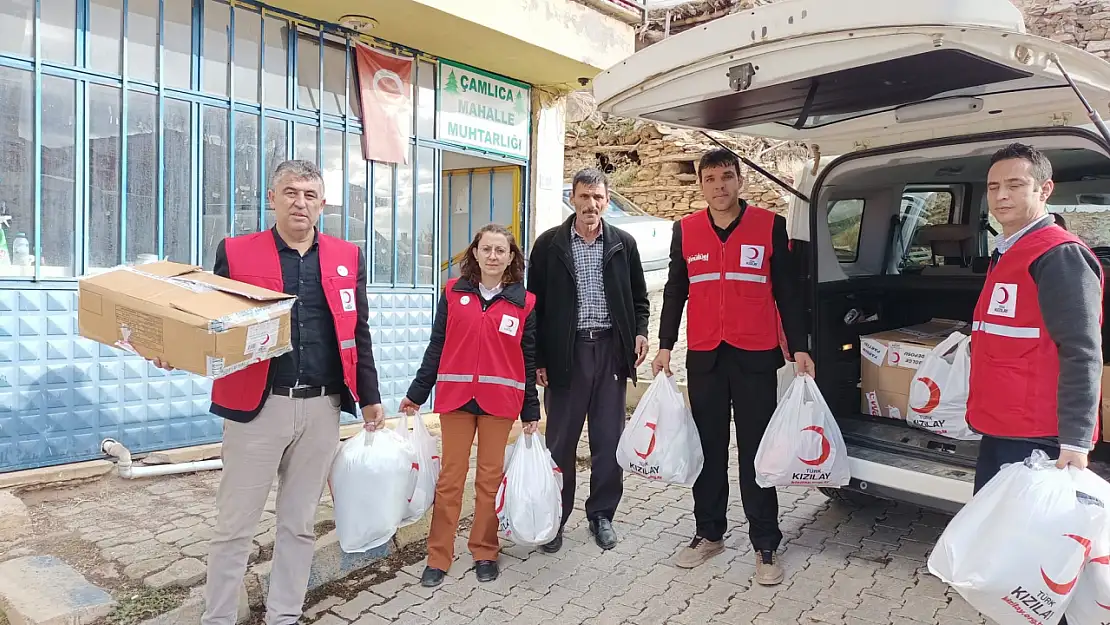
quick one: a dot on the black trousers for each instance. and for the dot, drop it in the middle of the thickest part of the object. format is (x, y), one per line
(995, 452)
(597, 387)
(723, 393)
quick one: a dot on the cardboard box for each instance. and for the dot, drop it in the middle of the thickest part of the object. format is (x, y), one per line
(189, 318)
(889, 361)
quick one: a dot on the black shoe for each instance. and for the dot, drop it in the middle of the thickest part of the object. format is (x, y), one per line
(603, 532)
(432, 577)
(486, 570)
(555, 545)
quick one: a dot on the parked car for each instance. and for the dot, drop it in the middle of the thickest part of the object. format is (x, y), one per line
(652, 234)
(860, 79)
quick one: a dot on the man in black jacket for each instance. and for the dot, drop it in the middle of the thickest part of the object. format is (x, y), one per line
(592, 322)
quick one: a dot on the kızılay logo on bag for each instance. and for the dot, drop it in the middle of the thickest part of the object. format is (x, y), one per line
(1039, 604)
(811, 476)
(934, 396)
(644, 469)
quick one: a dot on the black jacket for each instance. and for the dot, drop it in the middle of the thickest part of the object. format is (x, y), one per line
(425, 379)
(551, 279)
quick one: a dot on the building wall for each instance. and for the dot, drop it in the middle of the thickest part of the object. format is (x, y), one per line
(137, 128)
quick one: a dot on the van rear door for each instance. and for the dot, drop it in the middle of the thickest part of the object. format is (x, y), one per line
(842, 75)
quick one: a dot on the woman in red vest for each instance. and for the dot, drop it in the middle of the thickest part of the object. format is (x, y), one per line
(481, 362)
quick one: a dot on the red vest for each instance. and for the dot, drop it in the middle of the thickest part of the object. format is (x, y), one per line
(1015, 366)
(253, 259)
(482, 357)
(730, 283)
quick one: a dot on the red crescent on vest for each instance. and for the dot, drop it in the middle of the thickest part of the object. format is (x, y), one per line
(826, 447)
(1005, 295)
(754, 253)
(1066, 588)
(651, 444)
(934, 396)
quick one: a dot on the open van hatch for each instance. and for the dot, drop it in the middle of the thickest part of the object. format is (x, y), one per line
(851, 74)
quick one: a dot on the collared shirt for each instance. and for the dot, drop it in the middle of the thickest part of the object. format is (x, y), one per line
(1003, 243)
(489, 294)
(593, 310)
(314, 360)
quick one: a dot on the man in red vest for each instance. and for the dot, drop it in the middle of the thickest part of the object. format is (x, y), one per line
(282, 415)
(1036, 347)
(732, 262)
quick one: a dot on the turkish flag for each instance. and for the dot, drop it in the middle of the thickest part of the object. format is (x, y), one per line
(385, 90)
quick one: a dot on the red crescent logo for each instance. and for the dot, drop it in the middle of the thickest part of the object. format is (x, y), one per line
(934, 396)
(895, 357)
(415, 467)
(651, 444)
(501, 495)
(754, 253)
(265, 341)
(1102, 560)
(1005, 295)
(1064, 589)
(826, 447)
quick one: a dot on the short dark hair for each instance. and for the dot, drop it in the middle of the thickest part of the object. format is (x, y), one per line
(469, 268)
(1059, 219)
(1041, 168)
(591, 176)
(718, 158)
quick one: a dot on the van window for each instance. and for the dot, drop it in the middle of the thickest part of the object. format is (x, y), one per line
(845, 217)
(1086, 215)
(921, 207)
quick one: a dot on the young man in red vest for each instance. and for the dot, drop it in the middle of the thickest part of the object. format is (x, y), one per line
(732, 262)
(1036, 347)
(282, 415)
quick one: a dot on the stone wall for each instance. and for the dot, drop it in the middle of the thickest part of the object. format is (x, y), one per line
(655, 165)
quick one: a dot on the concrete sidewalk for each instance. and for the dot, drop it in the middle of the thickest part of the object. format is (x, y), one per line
(77, 551)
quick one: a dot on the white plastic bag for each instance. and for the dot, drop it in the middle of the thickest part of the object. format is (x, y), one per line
(529, 503)
(802, 445)
(1017, 549)
(786, 375)
(1091, 601)
(661, 442)
(427, 467)
(938, 393)
(372, 480)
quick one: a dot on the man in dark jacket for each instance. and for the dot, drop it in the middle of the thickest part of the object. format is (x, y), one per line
(592, 322)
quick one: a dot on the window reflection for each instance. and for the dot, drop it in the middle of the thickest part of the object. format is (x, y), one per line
(17, 27)
(217, 22)
(214, 196)
(383, 179)
(426, 215)
(17, 194)
(335, 79)
(331, 219)
(58, 28)
(142, 172)
(177, 48)
(305, 143)
(103, 122)
(142, 39)
(177, 181)
(356, 192)
(276, 63)
(248, 34)
(404, 240)
(246, 173)
(59, 166)
(308, 72)
(277, 140)
(105, 35)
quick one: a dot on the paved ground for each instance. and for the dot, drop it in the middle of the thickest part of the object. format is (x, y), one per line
(678, 354)
(844, 565)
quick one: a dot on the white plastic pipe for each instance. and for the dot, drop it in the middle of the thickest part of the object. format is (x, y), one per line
(128, 471)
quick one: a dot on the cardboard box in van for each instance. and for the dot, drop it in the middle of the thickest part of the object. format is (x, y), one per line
(889, 361)
(189, 318)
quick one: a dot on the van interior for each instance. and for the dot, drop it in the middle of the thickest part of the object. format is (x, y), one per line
(903, 236)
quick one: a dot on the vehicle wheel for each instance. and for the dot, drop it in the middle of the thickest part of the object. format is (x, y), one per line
(852, 497)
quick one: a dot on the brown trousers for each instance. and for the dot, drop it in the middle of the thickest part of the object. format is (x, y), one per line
(458, 429)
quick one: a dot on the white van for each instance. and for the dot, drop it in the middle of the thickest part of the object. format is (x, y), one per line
(915, 97)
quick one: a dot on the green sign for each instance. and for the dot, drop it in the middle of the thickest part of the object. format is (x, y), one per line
(480, 110)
